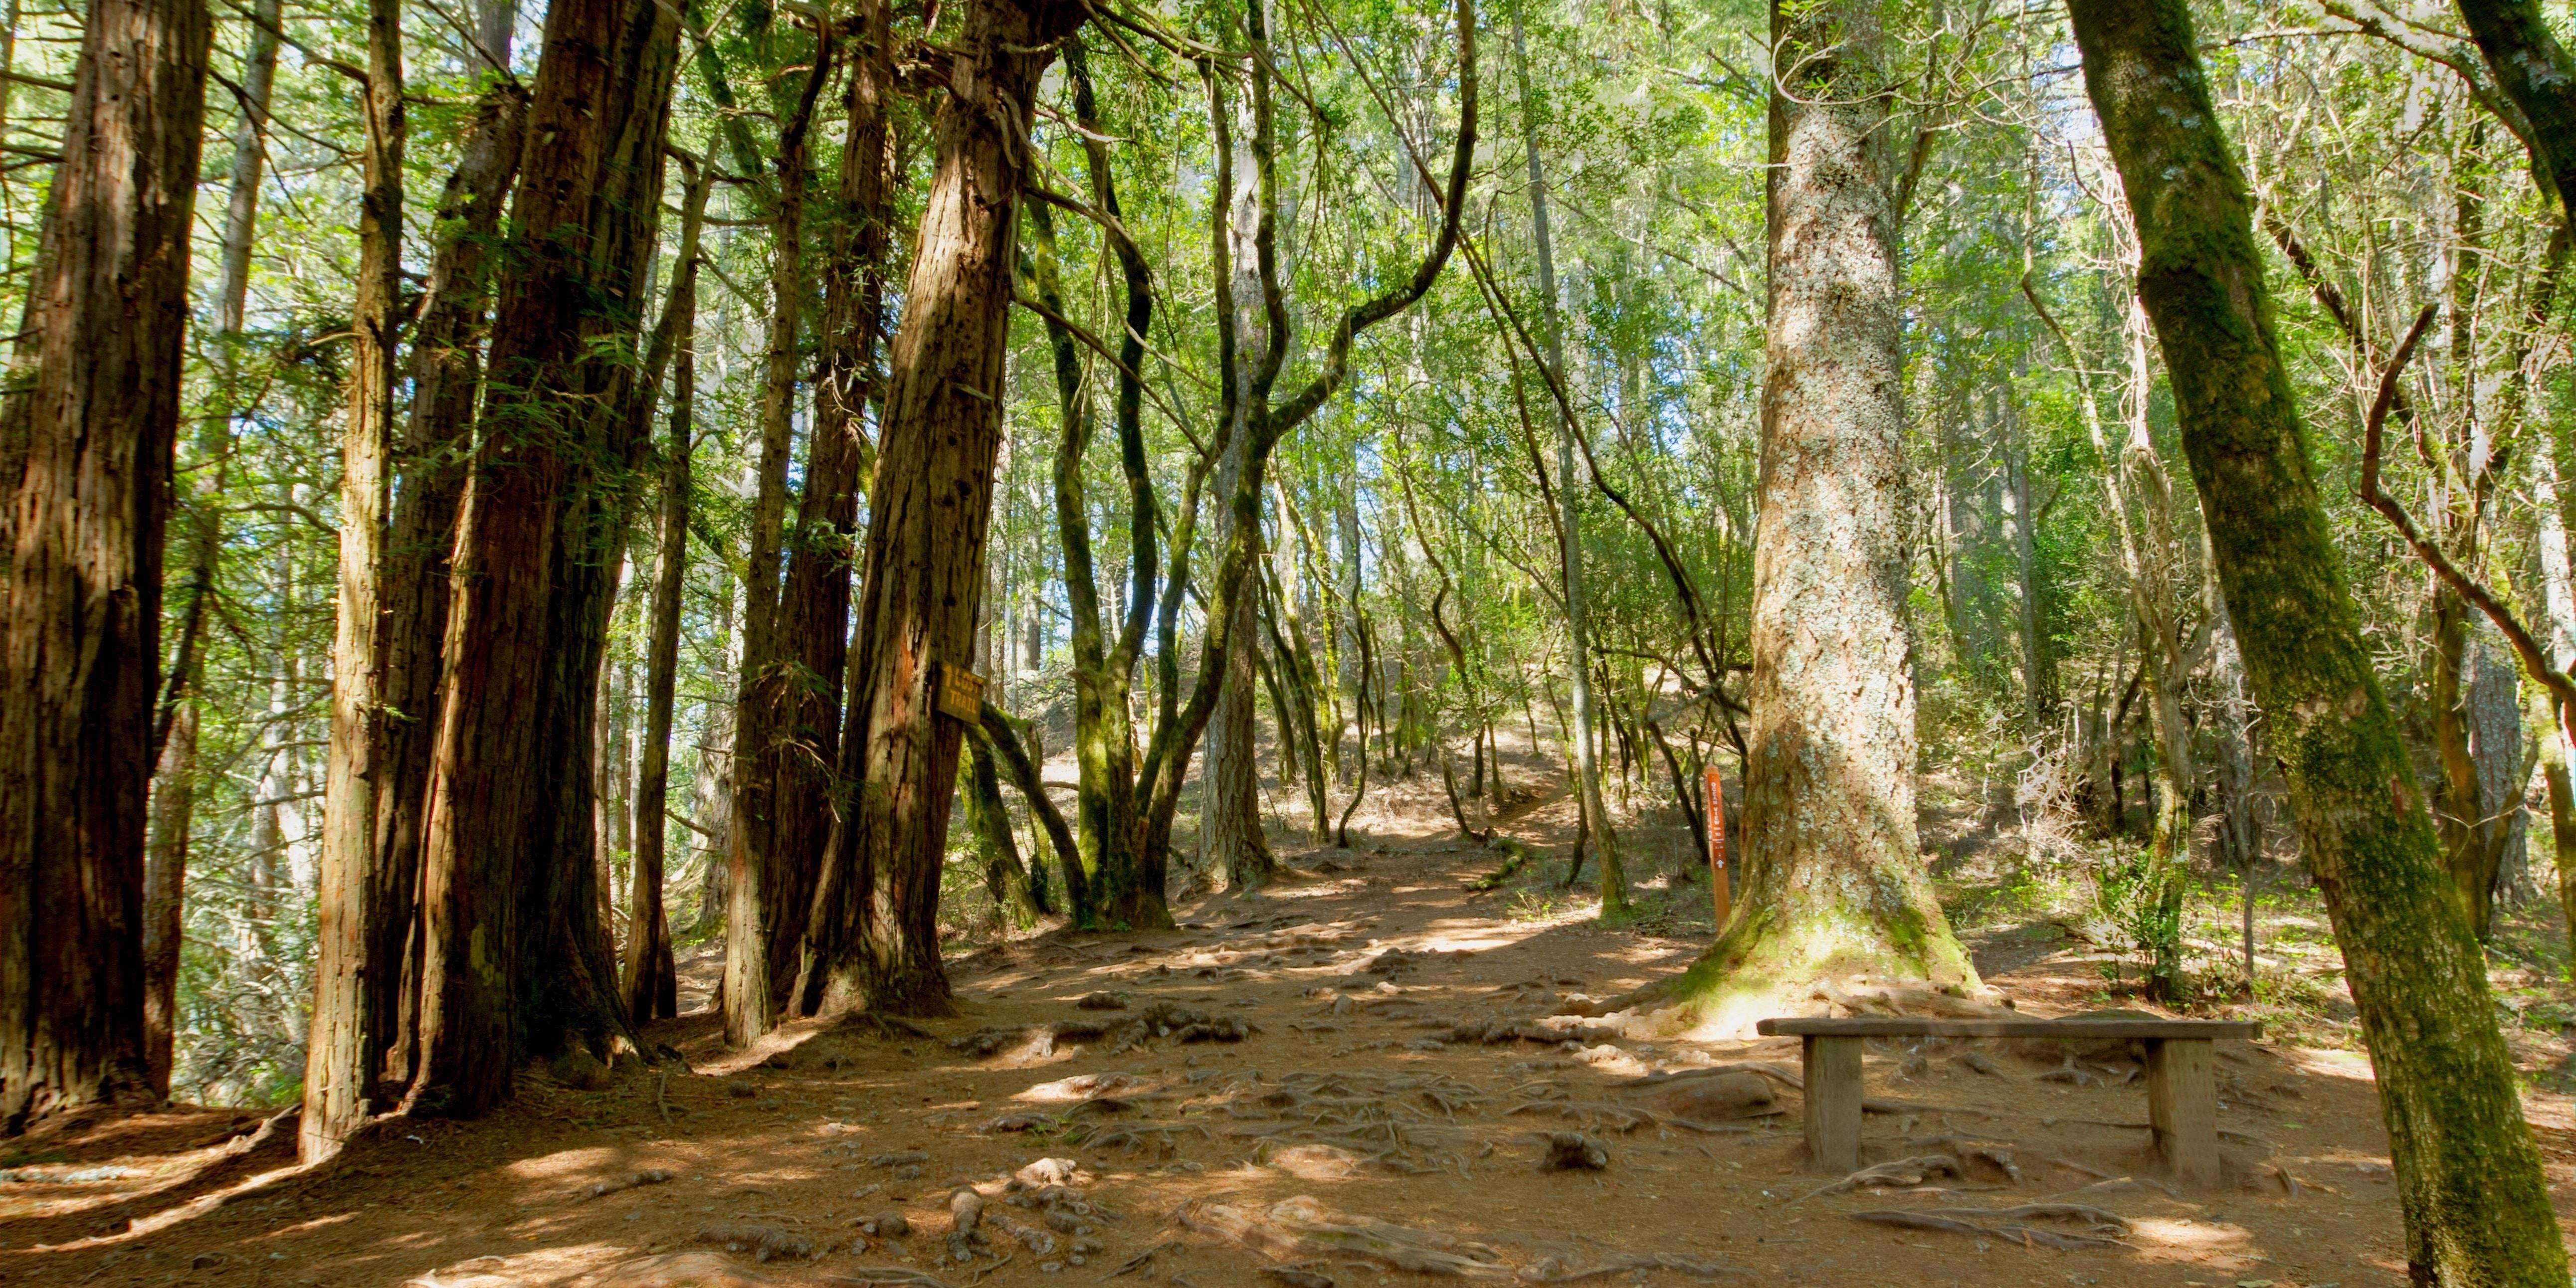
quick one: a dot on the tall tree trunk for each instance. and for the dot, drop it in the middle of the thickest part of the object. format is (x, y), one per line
(651, 979)
(768, 872)
(1569, 486)
(337, 1080)
(86, 445)
(2469, 1179)
(828, 960)
(560, 368)
(1833, 879)
(173, 784)
(814, 615)
(930, 505)
(446, 371)
(1231, 842)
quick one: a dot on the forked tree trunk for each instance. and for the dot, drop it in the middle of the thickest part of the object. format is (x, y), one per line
(560, 368)
(819, 589)
(2469, 1180)
(777, 836)
(446, 370)
(1833, 879)
(85, 456)
(930, 506)
(337, 1079)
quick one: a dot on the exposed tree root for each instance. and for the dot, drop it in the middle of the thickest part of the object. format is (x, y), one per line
(1302, 1229)
(2010, 1227)
(1549, 1270)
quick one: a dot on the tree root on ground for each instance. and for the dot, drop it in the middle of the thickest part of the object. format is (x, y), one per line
(1893, 1173)
(1550, 1270)
(763, 1242)
(1516, 857)
(1302, 1229)
(2010, 1227)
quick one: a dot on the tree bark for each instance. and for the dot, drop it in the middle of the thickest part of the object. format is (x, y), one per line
(337, 1079)
(86, 444)
(651, 979)
(778, 794)
(560, 369)
(1833, 880)
(930, 505)
(446, 372)
(2469, 1179)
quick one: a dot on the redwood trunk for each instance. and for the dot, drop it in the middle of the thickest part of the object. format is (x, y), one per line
(446, 369)
(930, 507)
(85, 459)
(336, 1076)
(558, 389)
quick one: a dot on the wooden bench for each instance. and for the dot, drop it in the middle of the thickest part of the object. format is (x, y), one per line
(2182, 1093)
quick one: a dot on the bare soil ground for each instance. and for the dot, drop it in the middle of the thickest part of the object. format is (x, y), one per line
(1355, 1077)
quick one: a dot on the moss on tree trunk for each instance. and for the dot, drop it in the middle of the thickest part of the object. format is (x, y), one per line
(2476, 1204)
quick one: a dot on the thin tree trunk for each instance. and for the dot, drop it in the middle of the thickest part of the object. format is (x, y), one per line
(337, 1079)
(827, 961)
(1596, 813)
(650, 980)
(85, 459)
(2469, 1179)
(587, 211)
(173, 785)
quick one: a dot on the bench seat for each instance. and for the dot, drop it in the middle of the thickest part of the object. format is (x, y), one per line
(2182, 1094)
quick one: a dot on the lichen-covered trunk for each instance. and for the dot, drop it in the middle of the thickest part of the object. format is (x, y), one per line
(86, 441)
(2470, 1184)
(560, 367)
(1833, 880)
(930, 507)
(337, 1077)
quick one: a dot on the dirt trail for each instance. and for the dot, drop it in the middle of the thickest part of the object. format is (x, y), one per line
(1339, 1077)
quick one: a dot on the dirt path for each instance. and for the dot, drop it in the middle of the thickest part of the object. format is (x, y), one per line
(1326, 1041)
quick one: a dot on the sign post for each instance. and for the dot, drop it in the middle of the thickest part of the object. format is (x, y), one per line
(1717, 850)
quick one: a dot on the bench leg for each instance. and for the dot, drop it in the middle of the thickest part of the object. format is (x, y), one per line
(2182, 1105)
(1833, 1103)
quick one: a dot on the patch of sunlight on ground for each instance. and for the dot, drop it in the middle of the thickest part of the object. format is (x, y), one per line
(560, 1163)
(2331, 1064)
(2185, 1239)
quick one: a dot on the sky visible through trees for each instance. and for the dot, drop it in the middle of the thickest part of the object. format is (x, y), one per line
(540, 512)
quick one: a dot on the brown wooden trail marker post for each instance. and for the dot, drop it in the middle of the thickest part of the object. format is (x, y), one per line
(1717, 851)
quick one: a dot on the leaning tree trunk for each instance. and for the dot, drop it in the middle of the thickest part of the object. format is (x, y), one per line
(336, 1077)
(558, 384)
(1833, 880)
(446, 369)
(2470, 1184)
(85, 457)
(931, 503)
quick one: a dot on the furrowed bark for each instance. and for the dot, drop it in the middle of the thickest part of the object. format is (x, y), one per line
(86, 441)
(1833, 881)
(930, 507)
(446, 371)
(337, 1077)
(561, 367)
(2469, 1179)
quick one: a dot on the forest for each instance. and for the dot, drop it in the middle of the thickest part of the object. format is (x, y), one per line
(788, 642)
